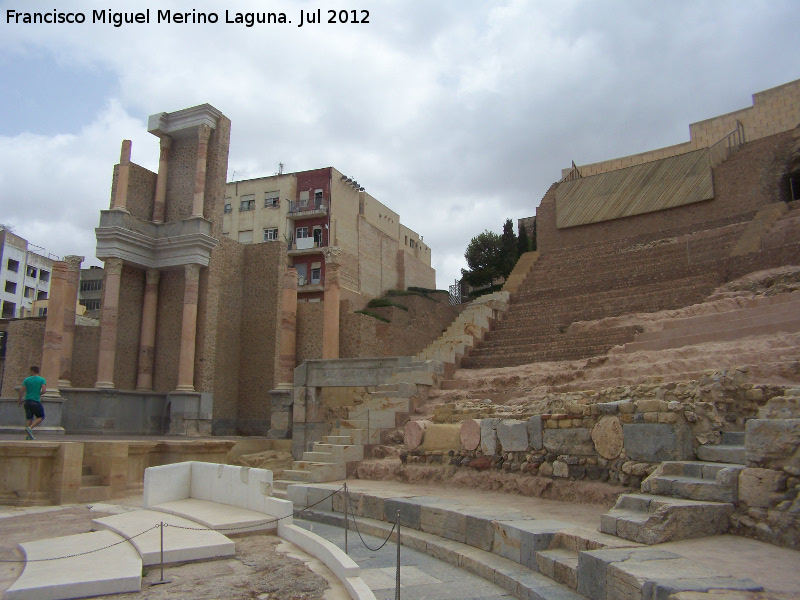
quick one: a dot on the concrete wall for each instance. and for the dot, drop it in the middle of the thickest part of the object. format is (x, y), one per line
(746, 182)
(117, 412)
(774, 111)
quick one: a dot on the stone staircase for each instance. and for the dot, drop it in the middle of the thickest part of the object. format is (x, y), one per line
(763, 315)
(468, 328)
(92, 488)
(680, 500)
(729, 450)
(367, 424)
(764, 219)
(520, 272)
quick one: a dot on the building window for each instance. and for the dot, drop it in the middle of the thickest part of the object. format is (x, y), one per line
(270, 235)
(91, 304)
(31, 271)
(13, 265)
(304, 198)
(44, 275)
(227, 208)
(11, 287)
(41, 295)
(316, 275)
(247, 203)
(9, 310)
(28, 293)
(302, 270)
(91, 285)
(272, 199)
(317, 199)
(43, 312)
(301, 232)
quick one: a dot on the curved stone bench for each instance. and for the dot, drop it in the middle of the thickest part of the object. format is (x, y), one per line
(224, 498)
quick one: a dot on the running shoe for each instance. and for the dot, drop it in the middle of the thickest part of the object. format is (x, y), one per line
(30, 434)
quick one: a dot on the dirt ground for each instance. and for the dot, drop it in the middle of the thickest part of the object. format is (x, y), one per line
(264, 567)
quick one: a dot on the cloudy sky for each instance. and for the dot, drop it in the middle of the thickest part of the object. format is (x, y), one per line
(457, 114)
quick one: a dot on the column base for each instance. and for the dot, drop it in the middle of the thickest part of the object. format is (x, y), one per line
(143, 389)
(52, 394)
(62, 383)
(185, 388)
(109, 385)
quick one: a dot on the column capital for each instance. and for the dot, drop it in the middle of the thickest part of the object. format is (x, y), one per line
(333, 255)
(203, 132)
(73, 262)
(166, 142)
(113, 266)
(192, 272)
(152, 276)
(290, 279)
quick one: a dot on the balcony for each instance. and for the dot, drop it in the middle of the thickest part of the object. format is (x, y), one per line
(307, 245)
(308, 208)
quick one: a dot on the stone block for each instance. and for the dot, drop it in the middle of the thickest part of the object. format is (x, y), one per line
(513, 435)
(760, 488)
(773, 443)
(489, 439)
(442, 437)
(409, 511)
(508, 536)
(535, 432)
(575, 441)
(657, 442)
(470, 434)
(537, 536)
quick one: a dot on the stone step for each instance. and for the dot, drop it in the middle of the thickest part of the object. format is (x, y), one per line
(338, 438)
(94, 493)
(761, 305)
(652, 519)
(347, 436)
(382, 403)
(341, 452)
(280, 485)
(730, 450)
(690, 488)
(315, 472)
(318, 456)
(375, 419)
(91, 480)
(560, 565)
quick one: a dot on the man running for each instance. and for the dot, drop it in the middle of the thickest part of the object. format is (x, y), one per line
(32, 389)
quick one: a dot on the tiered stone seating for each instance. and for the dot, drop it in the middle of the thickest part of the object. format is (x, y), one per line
(598, 281)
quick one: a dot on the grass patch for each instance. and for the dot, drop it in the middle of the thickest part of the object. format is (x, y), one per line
(383, 303)
(369, 313)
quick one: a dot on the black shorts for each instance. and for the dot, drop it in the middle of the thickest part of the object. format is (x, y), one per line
(33, 409)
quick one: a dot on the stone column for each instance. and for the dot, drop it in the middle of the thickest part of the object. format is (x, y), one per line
(160, 203)
(330, 314)
(191, 289)
(121, 193)
(54, 328)
(147, 339)
(108, 323)
(288, 342)
(70, 300)
(203, 133)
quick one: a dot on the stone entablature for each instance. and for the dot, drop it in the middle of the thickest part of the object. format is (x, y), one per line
(183, 123)
(147, 245)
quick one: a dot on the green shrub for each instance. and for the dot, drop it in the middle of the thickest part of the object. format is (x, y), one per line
(384, 302)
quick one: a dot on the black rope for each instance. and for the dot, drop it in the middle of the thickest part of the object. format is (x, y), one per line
(355, 523)
(126, 539)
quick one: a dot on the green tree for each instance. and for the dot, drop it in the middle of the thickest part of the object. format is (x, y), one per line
(483, 258)
(523, 243)
(508, 249)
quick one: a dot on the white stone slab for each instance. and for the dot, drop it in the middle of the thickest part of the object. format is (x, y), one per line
(180, 545)
(114, 570)
(167, 483)
(220, 517)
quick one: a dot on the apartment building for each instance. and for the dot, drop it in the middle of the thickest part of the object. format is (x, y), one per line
(311, 210)
(24, 277)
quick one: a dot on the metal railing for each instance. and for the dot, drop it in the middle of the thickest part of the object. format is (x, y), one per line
(727, 146)
(308, 206)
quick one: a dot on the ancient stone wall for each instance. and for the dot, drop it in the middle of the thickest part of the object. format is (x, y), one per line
(141, 191)
(23, 350)
(309, 331)
(168, 330)
(260, 334)
(84, 356)
(129, 322)
(746, 182)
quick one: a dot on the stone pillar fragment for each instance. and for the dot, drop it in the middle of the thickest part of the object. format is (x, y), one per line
(54, 328)
(70, 300)
(147, 338)
(108, 323)
(121, 193)
(288, 340)
(203, 133)
(330, 314)
(160, 203)
(191, 289)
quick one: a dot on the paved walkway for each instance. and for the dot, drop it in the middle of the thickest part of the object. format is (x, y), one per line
(422, 577)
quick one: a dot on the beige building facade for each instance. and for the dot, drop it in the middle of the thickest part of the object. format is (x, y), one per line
(309, 211)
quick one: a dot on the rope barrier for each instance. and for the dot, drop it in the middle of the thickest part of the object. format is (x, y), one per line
(367, 546)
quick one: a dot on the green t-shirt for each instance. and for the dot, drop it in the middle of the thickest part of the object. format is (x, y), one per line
(33, 387)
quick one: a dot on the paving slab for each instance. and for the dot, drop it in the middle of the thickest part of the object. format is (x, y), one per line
(115, 569)
(182, 539)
